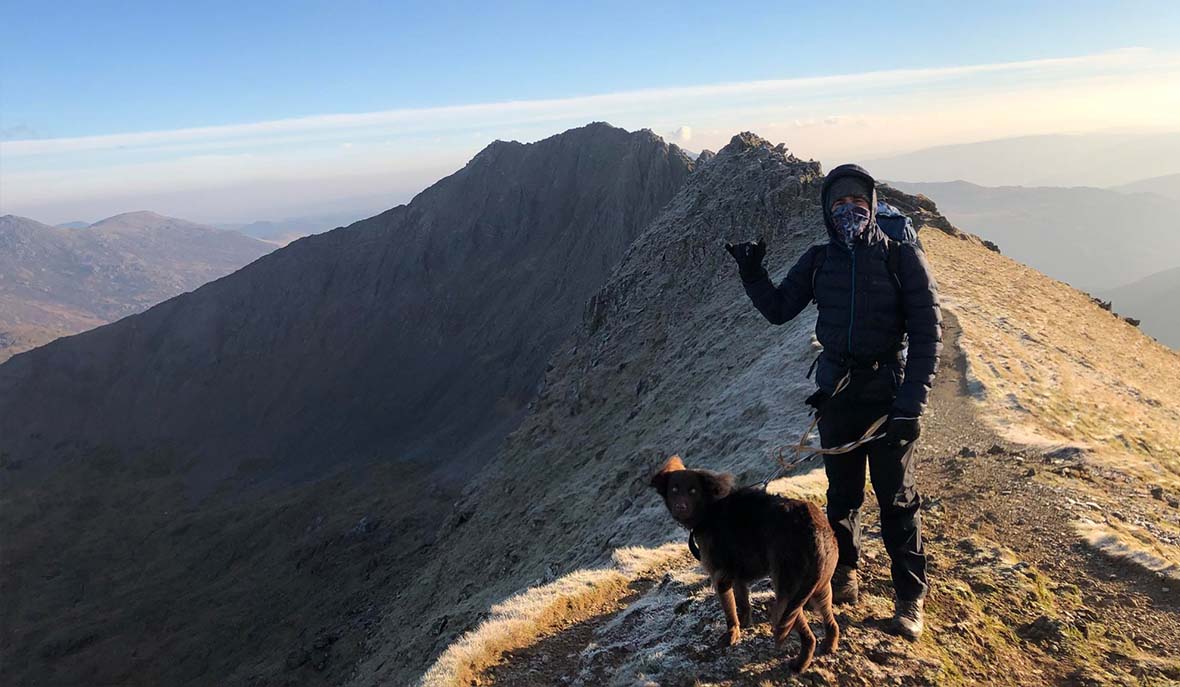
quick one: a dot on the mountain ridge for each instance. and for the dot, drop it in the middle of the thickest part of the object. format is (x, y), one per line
(1061, 160)
(671, 358)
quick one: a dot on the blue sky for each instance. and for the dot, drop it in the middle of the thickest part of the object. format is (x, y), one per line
(87, 69)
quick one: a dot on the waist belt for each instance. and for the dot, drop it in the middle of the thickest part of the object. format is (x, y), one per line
(853, 363)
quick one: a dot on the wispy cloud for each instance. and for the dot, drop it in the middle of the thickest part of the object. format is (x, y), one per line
(867, 113)
(530, 111)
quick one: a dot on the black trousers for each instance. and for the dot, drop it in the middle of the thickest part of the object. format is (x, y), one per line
(891, 471)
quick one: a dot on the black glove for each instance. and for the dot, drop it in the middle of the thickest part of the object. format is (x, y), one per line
(748, 256)
(818, 400)
(902, 429)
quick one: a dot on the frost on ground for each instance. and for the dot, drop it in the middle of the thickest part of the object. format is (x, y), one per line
(544, 610)
(995, 619)
(1130, 543)
(521, 619)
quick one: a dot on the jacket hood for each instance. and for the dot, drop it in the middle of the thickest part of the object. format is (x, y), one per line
(872, 234)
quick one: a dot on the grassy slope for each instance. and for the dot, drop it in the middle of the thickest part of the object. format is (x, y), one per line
(1056, 367)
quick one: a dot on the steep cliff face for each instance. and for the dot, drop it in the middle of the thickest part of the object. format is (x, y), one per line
(416, 333)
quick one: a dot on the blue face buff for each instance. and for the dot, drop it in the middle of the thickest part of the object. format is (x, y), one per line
(851, 220)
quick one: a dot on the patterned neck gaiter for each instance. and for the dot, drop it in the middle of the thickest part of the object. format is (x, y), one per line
(851, 220)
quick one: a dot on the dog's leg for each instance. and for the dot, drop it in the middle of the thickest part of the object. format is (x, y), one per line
(741, 594)
(724, 588)
(781, 629)
(787, 614)
(821, 602)
(806, 642)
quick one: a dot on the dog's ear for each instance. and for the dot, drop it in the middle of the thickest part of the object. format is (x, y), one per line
(660, 480)
(718, 484)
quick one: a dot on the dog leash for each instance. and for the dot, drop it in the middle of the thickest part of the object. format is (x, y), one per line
(799, 448)
(804, 451)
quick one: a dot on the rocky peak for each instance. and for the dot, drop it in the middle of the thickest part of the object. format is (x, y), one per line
(665, 348)
(496, 258)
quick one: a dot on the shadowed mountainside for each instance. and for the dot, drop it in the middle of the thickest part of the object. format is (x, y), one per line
(670, 357)
(408, 334)
(57, 281)
(226, 488)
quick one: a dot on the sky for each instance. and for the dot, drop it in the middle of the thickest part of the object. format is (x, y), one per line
(253, 110)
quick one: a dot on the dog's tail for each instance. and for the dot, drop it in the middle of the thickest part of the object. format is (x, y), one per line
(787, 606)
(786, 615)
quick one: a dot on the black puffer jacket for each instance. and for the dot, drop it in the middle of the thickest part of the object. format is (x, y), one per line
(864, 314)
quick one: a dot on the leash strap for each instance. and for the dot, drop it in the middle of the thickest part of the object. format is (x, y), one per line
(804, 451)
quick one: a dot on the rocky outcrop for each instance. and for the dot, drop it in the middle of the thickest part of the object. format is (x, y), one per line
(672, 358)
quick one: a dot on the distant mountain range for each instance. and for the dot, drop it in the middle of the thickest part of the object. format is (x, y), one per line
(283, 231)
(1155, 300)
(56, 281)
(1167, 186)
(1094, 239)
(1096, 159)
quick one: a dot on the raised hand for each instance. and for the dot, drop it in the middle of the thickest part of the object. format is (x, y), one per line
(748, 255)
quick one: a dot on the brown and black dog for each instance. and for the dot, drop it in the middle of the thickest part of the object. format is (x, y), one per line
(747, 534)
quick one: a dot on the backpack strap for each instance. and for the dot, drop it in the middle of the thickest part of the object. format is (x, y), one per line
(817, 262)
(893, 260)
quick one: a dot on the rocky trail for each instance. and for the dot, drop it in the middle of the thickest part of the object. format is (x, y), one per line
(1017, 597)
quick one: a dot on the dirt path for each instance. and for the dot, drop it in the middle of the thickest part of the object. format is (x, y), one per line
(1017, 597)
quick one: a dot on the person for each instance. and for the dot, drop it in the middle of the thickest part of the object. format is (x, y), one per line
(880, 326)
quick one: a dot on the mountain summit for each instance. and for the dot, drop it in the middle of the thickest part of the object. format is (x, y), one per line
(405, 335)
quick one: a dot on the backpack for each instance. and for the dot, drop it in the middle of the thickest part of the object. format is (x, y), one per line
(897, 227)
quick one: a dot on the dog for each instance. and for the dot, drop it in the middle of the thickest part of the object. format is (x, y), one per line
(744, 535)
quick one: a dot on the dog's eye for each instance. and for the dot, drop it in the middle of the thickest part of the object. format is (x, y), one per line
(692, 491)
(675, 489)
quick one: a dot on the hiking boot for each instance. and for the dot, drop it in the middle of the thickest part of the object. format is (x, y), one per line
(845, 587)
(908, 617)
